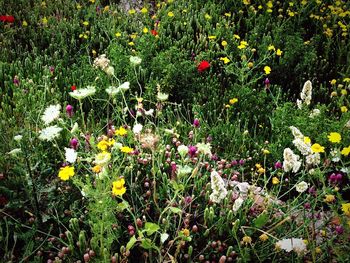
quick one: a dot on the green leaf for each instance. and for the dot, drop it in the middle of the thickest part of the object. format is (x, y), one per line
(163, 237)
(122, 206)
(176, 210)
(150, 228)
(131, 243)
(146, 243)
(261, 220)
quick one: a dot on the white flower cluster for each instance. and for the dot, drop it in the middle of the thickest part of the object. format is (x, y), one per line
(112, 91)
(83, 93)
(305, 95)
(51, 113)
(291, 161)
(102, 62)
(218, 187)
(50, 133)
(296, 244)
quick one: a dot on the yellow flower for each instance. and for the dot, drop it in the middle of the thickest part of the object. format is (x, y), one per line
(85, 23)
(333, 81)
(145, 30)
(225, 60)
(246, 2)
(170, 14)
(118, 34)
(131, 43)
(334, 94)
(307, 140)
(345, 151)
(24, 23)
(329, 198)
(275, 180)
(97, 169)
(236, 36)
(334, 137)
(65, 173)
(118, 187)
(212, 37)
(185, 232)
(279, 52)
(318, 250)
(132, 11)
(250, 64)
(265, 151)
(346, 79)
(121, 131)
(343, 109)
(263, 237)
(228, 14)
(44, 20)
(243, 44)
(316, 148)
(126, 149)
(261, 170)
(102, 145)
(269, 4)
(207, 16)
(246, 240)
(271, 47)
(78, 6)
(233, 101)
(224, 43)
(344, 92)
(346, 208)
(144, 10)
(267, 70)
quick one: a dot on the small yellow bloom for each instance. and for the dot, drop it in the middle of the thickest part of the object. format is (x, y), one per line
(126, 149)
(265, 151)
(93, 52)
(24, 23)
(225, 60)
(145, 30)
(267, 70)
(78, 6)
(343, 109)
(118, 34)
(318, 250)
(207, 16)
(346, 79)
(261, 170)
(329, 198)
(307, 140)
(345, 151)
(224, 43)
(144, 10)
(250, 64)
(233, 101)
(346, 208)
(185, 232)
(236, 36)
(212, 37)
(97, 169)
(243, 44)
(333, 81)
(279, 52)
(102, 145)
(263, 237)
(131, 43)
(271, 47)
(66, 172)
(344, 92)
(246, 240)
(316, 148)
(118, 187)
(334, 137)
(228, 14)
(44, 20)
(121, 131)
(85, 23)
(170, 14)
(275, 180)
(334, 94)
(132, 11)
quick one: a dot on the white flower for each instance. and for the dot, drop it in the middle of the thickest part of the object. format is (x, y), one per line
(299, 104)
(313, 159)
(296, 244)
(183, 170)
(314, 113)
(306, 93)
(304, 148)
(347, 124)
(162, 96)
(149, 112)
(18, 138)
(125, 86)
(218, 187)
(137, 128)
(237, 204)
(101, 62)
(204, 148)
(296, 133)
(50, 133)
(15, 151)
(290, 161)
(301, 187)
(71, 155)
(51, 113)
(335, 153)
(102, 158)
(83, 93)
(109, 71)
(183, 150)
(134, 60)
(75, 128)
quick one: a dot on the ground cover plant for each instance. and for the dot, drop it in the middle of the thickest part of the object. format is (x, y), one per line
(174, 131)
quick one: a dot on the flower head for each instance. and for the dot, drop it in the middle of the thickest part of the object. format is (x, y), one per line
(296, 244)
(267, 70)
(121, 131)
(66, 172)
(218, 188)
(346, 208)
(71, 155)
(203, 66)
(118, 187)
(83, 93)
(301, 187)
(134, 60)
(51, 113)
(50, 133)
(316, 148)
(334, 137)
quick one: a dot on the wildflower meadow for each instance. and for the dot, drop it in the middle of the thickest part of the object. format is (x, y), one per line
(174, 131)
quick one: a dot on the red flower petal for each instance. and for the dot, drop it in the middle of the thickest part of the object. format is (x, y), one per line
(204, 65)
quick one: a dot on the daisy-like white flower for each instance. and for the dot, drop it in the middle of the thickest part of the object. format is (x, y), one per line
(50, 133)
(296, 244)
(51, 113)
(71, 155)
(137, 128)
(83, 93)
(301, 187)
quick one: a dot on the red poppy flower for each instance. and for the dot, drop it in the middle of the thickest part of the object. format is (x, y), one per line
(154, 32)
(8, 19)
(204, 65)
(73, 87)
